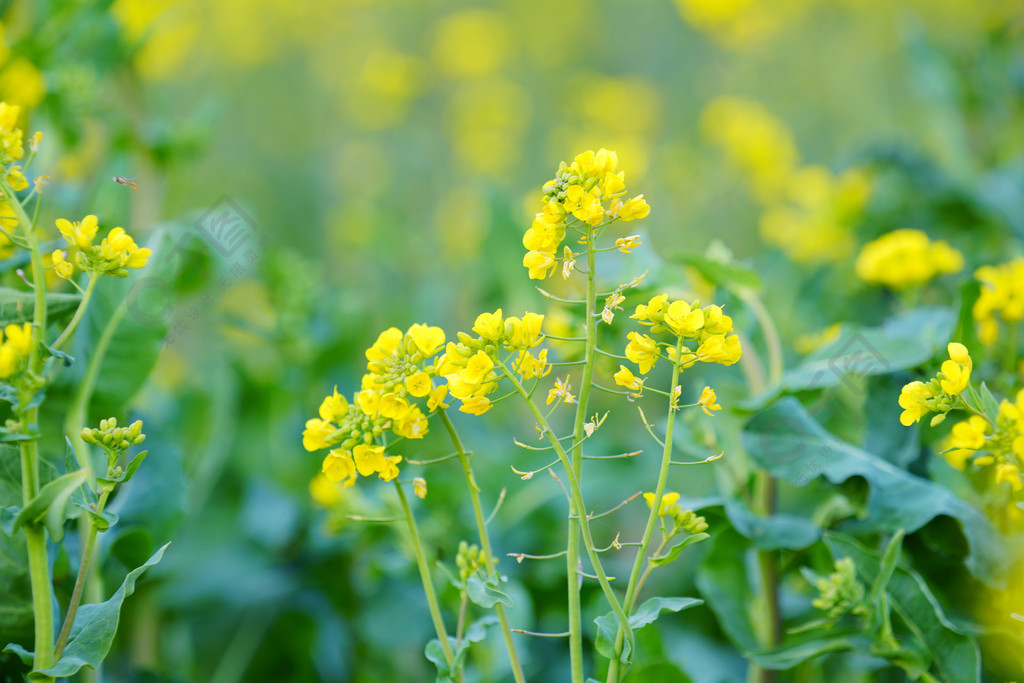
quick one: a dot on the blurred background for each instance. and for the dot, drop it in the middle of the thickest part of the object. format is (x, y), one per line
(383, 159)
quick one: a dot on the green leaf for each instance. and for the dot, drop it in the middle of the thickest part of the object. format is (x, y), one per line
(888, 565)
(128, 471)
(729, 275)
(799, 650)
(790, 444)
(954, 653)
(102, 520)
(648, 612)
(50, 504)
(17, 306)
(476, 632)
(95, 627)
(674, 551)
(485, 593)
(773, 532)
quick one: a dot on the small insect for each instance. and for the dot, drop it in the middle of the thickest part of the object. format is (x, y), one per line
(121, 180)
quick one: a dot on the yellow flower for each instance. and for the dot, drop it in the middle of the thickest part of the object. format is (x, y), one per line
(584, 205)
(436, 399)
(684, 320)
(389, 467)
(19, 337)
(490, 326)
(539, 264)
(477, 368)
(1010, 474)
(906, 258)
(913, 400)
(393, 406)
(625, 378)
(339, 467)
(967, 437)
(524, 333)
(634, 209)
(1002, 294)
(418, 384)
(724, 350)
(560, 391)
(427, 339)
(368, 401)
(475, 405)
(412, 425)
(79, 234)
(323, 491)
(667, 501)
(386, 343)
(642, 350)
(63, 269)
(8, 361)
(627, 244)
(419, 487)
(368, 459)
(707, 401)
(334, 408)
(653, 311)
(591, 164)
(315, 436)
(956, 372)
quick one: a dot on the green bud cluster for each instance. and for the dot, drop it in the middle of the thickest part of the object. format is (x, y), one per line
(469, 559)
(840, 592)
(112, 438)
(687, 520)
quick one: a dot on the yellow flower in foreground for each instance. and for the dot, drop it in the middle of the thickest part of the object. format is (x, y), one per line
(967, 437)
(707, 401)
(339, 467)
(913, 399)
(667, 501)
(625, 378)
(81, 233)
(418, 384)
(475, 405)
(63, 269)
(560, 391)
(1010, 474)
(956, 372)
(427, 339)
(642, 350)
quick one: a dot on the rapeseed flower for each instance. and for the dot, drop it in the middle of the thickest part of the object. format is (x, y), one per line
(906, 258)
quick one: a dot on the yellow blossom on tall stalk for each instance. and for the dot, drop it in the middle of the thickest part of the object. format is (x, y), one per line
(587, 192)
(113, 256)
(940, 394)
(906, 258)
(1001, 298)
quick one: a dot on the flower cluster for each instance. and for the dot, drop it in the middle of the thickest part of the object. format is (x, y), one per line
(470, 365)
(15, 348)
(587, 192)
(906, 258)
(940, 394)
(809, 212)
(1000, 445)
(398, 372)
(113, 256)
(1002, 294)
(840, 592)
(708, 327)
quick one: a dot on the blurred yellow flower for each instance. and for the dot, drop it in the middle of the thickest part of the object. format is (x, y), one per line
(1002, 296)
(906, 258)
(472, 43)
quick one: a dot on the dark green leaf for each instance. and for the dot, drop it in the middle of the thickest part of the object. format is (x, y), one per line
(50, 504)
(790, 444)
(773, 532)
(799, 650)
(723, 583)
(95, 627)
(128, 471)
(648, 612)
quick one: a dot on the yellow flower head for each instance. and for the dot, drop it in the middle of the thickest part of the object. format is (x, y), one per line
(1001, 297)
(428, 340)
(906, 258)
(325, 492)
(914, 400)
(707, 401)
(956, 372)
(490, 326)
(642, 350)
(79, 234)
(63, 269)
(668, 501)
(967, 437)
(625, 378)
(475, 405)
(419, 487)
(338, 467)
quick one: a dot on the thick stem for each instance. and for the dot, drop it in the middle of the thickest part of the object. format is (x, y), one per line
(428, 583)
(576, 498)
(83, 573)
(38, 562)
(614, 674)
(485, 542)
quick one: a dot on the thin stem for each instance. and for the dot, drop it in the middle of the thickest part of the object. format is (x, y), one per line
(38, 562)
(485, 541)
(769, 331)
(83, 572)
(614, 674)
(82, 305)
(428, 584)
(575, 496)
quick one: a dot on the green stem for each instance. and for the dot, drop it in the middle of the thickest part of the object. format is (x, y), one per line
(38, 562)
(73, 325)
(428, 584)
(83, 572)
(770, 333)
(576, 499)
(614, 674)
(485, 541)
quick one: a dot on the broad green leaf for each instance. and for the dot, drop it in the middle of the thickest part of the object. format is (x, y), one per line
(16, 619)
(954, 653)
(50, 504)
(17, 306)
(905, 341)
(790, 444)
(674, 551)
(485, 593)
(476, 632)
(773, 532)
(95, 626)
(648, 612)
(128, 471)
(723, 582)
(798, 650)
(728, 275)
